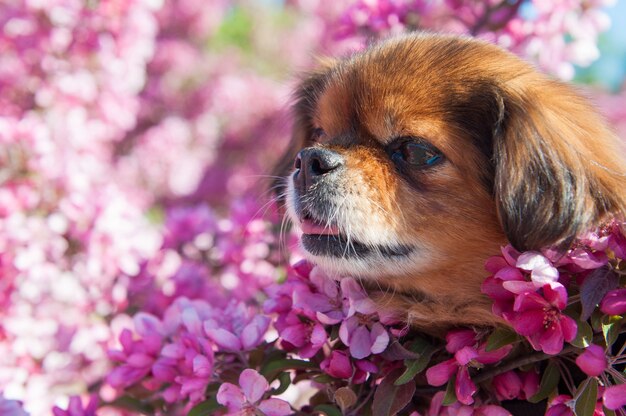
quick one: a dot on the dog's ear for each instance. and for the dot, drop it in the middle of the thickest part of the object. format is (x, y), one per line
(559, 170)
(304, 98)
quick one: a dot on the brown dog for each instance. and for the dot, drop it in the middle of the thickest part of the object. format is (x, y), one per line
(414, 161)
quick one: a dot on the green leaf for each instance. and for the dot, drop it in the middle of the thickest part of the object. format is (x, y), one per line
(285, 382)
(327, 409)
(205, 408)
(584, 336)
(413, 367)
(610, 328)
(549, 381)
(323, 378)
(586, 397)
(501, 337)
(390, 398)
(272, 369)
(450, 397)
(608, 412)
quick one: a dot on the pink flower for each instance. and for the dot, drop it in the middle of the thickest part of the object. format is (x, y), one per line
(304, 334)
(464, 358)
(246, 399)
(516, 385)
(75, 407)
(614, 302)
(561, 405)
(361, 339)
(237, 328)
(614, 397)
(136, 356)
(592, 361)
(437, 408)
(507, 385)
(541, 321)
(337, 365)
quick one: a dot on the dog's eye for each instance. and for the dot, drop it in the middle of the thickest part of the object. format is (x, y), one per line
(317, 134)
(417, 154)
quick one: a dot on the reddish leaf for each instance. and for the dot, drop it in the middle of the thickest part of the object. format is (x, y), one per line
(594, 287)
(389, 399)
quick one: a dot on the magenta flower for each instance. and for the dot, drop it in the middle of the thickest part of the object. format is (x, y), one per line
(507, 385)
(516, 385)
(561, 405)
(362, 339)
(464, 358)
(303, 334)
(614, 397)
(437, 408)
(592, 361)
(246, 399)
(187, 366)
(540, 319)
(75, 407)
(337, 365)
(237, 328)
(614, 302)
(137, 357)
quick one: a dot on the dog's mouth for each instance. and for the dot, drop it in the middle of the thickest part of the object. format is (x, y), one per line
(325, 239)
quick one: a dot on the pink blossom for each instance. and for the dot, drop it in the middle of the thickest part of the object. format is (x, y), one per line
(561, 405)
(76, 408)
(614, 302)
(516, 385)
(246, 399)
(507, 385)
(464, 358)
(237, 328)
(437, 408)
(614, 397)
(592, 361)
(338, 365)
(308, 336)
(362, 340)
(540, 319)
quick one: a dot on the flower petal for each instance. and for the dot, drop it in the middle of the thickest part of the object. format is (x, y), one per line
(379, 338)
(529, 322)
(275, 407)
(464, 387)
(614, 397)
(592, 361)
(225, 339)
(230, 396)
(360, 343)
(439, 374)
(551, 341)
(459, 338)
(253, 385)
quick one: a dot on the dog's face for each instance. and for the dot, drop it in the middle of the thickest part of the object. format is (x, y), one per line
(414, 161)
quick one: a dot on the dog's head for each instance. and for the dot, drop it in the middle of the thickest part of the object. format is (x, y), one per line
(413, 161)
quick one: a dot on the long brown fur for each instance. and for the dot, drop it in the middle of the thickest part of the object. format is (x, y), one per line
(528, 161)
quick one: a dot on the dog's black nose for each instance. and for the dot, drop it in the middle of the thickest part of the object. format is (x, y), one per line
(314, 162)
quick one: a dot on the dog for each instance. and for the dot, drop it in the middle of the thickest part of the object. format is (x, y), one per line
(415, 160)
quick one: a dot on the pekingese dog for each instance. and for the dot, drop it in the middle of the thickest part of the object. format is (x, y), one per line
(415, 160)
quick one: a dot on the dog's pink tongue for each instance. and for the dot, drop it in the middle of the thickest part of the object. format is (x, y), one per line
(311, 227)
